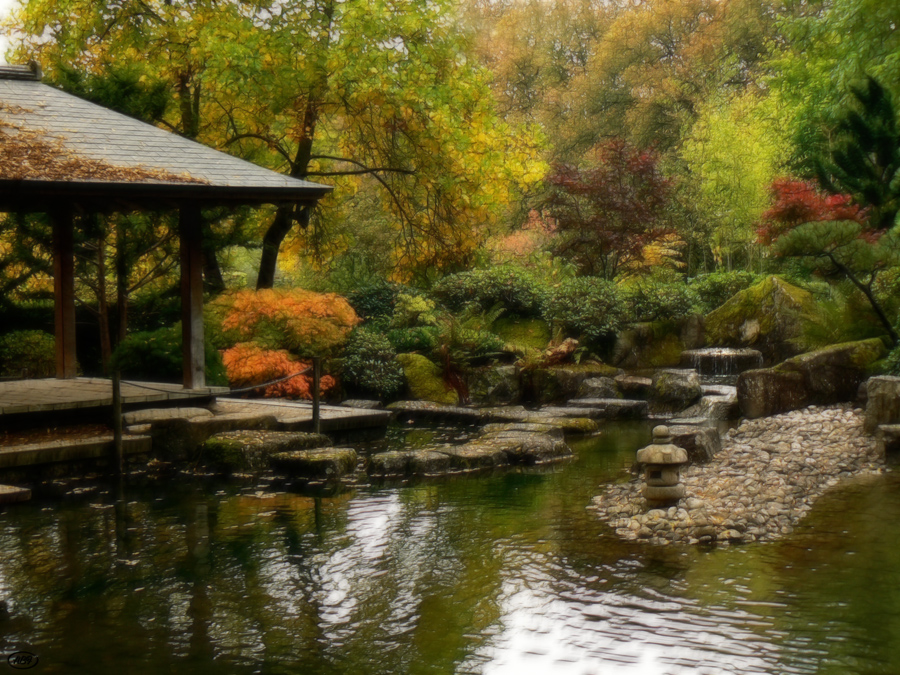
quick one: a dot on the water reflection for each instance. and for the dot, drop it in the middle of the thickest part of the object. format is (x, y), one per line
(497, 574)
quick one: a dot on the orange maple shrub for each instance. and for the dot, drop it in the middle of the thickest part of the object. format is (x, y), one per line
(247, 364)
(303, 322)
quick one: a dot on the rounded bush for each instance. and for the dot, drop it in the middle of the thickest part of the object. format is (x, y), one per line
(588, 308)
(371, 366)
(516, 289)
(655, 300)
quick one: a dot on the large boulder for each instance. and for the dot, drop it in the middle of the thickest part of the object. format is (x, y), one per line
(425, 380)
(658, 344)
(701, 443)
(767, 391)
(769, 316)
(674, 390)
(561, 383)
(882, 401)
(823, 377)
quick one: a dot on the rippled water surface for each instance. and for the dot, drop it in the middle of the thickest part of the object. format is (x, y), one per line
(495, 574)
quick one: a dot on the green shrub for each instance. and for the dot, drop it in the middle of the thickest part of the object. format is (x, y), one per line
(714, 289)
(516, 289)
(655, 298)
(374, 300)
(588, 308)
(156, 355)
(415, 339)
(414, 310)
(32, 352)
(371, 366)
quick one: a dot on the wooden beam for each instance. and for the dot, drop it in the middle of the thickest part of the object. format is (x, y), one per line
(64, 292)
(189, 230)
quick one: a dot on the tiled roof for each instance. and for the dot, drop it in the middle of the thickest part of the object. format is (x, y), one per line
(84, 130)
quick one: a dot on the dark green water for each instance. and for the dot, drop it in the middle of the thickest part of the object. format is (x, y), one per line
(496, 574)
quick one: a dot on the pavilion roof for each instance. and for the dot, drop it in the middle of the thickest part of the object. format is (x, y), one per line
(56, 147)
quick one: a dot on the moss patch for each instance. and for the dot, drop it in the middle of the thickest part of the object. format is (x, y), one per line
(533, 333)
(425, 380)
(770, 315)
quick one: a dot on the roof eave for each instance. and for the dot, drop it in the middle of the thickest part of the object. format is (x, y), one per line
(24, 194)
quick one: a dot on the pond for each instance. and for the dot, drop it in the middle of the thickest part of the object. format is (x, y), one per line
(493, 574)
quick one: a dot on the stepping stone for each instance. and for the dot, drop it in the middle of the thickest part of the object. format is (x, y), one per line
(436, 411)
(319, 464)
(250, 450)
(612, 408)
(10, 494)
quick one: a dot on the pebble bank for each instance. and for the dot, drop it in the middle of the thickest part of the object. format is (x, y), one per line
(763, 481)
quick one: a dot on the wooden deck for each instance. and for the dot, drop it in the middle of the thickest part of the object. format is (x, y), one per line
(52, 395)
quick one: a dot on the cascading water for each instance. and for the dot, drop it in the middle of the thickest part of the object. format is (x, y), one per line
(721, 365)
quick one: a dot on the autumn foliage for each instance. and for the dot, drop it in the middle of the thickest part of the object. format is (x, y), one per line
(304, 322)
(249, 364)
(795, 202)
(270, 334)
(606, 213)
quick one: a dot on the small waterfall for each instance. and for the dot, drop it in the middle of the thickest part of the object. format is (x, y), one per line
(721, 364)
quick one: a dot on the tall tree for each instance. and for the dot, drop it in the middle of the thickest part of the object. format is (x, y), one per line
(829, 46)
(864, 157)
(609, 210)
(320, 88)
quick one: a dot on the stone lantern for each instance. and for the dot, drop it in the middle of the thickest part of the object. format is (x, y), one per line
(662, 464)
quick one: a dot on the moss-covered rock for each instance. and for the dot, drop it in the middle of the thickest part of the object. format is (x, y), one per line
(769, 316)
(425, 380)
(533, 333)
(251, 450)
(674, 390)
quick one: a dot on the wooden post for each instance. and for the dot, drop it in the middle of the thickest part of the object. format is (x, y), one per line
(317, 376)
(64, 292)
(117, 422)
(189, 231)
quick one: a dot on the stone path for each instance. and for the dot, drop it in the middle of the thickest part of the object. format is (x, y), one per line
(765, 479)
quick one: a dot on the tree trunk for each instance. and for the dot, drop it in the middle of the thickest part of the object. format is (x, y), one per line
(285, 215)
(213, 281)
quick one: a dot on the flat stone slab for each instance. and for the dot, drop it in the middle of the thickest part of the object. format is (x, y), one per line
(612, 408)
(426, 410)
(566, 419)
(150, 415)
(328, 464)
(50, 452)
(364, 404)
(10, 494)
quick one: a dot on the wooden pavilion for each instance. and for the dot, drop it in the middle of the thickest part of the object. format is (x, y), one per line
(62, 155)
